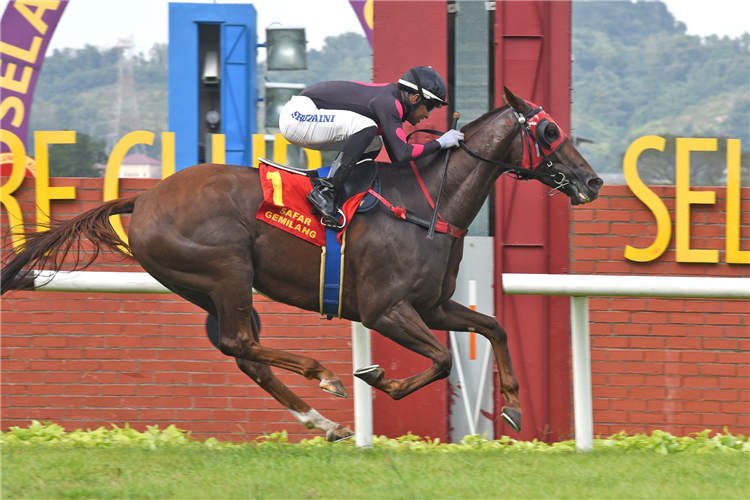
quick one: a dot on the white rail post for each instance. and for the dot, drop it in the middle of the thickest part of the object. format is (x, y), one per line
(362, 391)
(462, 383)
(582, 286)
(582, 394)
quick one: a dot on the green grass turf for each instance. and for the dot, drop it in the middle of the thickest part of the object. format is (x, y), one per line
(339, 472)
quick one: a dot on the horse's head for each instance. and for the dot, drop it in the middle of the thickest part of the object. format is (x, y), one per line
(542, 146)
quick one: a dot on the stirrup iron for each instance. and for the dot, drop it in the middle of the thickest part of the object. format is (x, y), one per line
(338, 226)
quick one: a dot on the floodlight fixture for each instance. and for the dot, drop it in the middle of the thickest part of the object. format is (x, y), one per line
(213, 118)
(211, 68)
(278, 94)
(286, 47)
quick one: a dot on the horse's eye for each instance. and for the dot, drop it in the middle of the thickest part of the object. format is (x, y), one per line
(552, 133)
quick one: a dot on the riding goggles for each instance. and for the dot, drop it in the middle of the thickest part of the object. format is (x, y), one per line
(431, 104)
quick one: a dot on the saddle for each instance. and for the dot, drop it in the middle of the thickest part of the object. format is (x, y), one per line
(364, 177)
(285, 207)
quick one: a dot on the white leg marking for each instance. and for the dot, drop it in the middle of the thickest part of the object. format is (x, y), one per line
(314, 420)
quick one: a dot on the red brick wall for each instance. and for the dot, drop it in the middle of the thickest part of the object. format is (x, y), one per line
(84, 360)
(90, 359)
(672, 364)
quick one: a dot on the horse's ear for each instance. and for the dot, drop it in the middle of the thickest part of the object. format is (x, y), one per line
(513, 100)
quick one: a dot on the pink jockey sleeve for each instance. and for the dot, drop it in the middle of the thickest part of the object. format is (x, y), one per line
(390, 113)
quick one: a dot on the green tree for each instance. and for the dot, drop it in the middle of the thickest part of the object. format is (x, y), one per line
(707, 168)
(636, 73)
(72, 71)
(153, 69)
(343, 57)
(625, 21)
(77, 87)
(77, 160)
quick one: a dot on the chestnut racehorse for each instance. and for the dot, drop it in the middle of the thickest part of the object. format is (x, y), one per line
(197, 234)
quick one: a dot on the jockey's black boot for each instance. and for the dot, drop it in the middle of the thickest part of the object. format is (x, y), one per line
(323, 196)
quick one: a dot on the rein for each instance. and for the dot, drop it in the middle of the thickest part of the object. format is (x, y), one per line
(520, 173)
(517, 172)
(439, 225)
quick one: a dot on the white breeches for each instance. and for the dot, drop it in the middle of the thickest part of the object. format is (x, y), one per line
(306, 126)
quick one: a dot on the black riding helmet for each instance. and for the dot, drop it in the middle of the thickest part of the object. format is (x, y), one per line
(426, 82)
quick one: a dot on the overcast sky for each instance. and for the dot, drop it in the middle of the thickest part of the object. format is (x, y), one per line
(101, 22)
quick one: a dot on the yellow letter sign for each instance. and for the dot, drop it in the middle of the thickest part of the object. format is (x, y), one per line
(733, 253)
(686, 197)
(649, 198)
(15, 215)
(44, 192)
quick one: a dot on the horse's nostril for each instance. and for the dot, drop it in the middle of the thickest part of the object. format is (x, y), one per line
(595, 183)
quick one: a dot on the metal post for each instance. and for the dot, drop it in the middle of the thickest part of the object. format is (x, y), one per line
(584, 416)
(362, 391)
(462, 383)
(482, 382)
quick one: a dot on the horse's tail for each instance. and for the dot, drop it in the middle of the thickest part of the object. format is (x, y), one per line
(47, 249)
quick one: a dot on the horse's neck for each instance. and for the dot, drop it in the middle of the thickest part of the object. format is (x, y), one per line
(469, 181)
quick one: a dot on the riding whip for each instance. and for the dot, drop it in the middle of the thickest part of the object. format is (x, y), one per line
(431, 232)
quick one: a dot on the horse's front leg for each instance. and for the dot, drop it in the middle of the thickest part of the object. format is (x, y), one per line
(453, 316)
(403, 325)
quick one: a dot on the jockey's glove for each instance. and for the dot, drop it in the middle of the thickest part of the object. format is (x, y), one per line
(450, 139)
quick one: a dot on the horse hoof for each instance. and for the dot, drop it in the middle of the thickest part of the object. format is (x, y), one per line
(339, 433)
(512, 417)
(370, 374)
(335, 387)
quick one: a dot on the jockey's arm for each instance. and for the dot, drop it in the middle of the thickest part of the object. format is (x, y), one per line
(394, 136)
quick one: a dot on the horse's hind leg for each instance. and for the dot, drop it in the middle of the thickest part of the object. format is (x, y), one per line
(455, 317)
(306, 415)
(234, 300)
(236, 322)
(265, 378)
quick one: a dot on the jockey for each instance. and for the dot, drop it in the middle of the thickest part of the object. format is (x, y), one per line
(357, 119)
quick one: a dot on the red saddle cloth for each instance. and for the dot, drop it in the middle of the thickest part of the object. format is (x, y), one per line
(285, 207)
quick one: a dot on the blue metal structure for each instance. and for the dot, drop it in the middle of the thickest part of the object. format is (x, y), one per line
(239, 42)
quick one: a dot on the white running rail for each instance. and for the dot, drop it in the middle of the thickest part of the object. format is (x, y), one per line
(580, 287)
(109, 282)
(104, 282)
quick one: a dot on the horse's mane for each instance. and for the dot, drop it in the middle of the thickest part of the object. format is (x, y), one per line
(475, 125)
